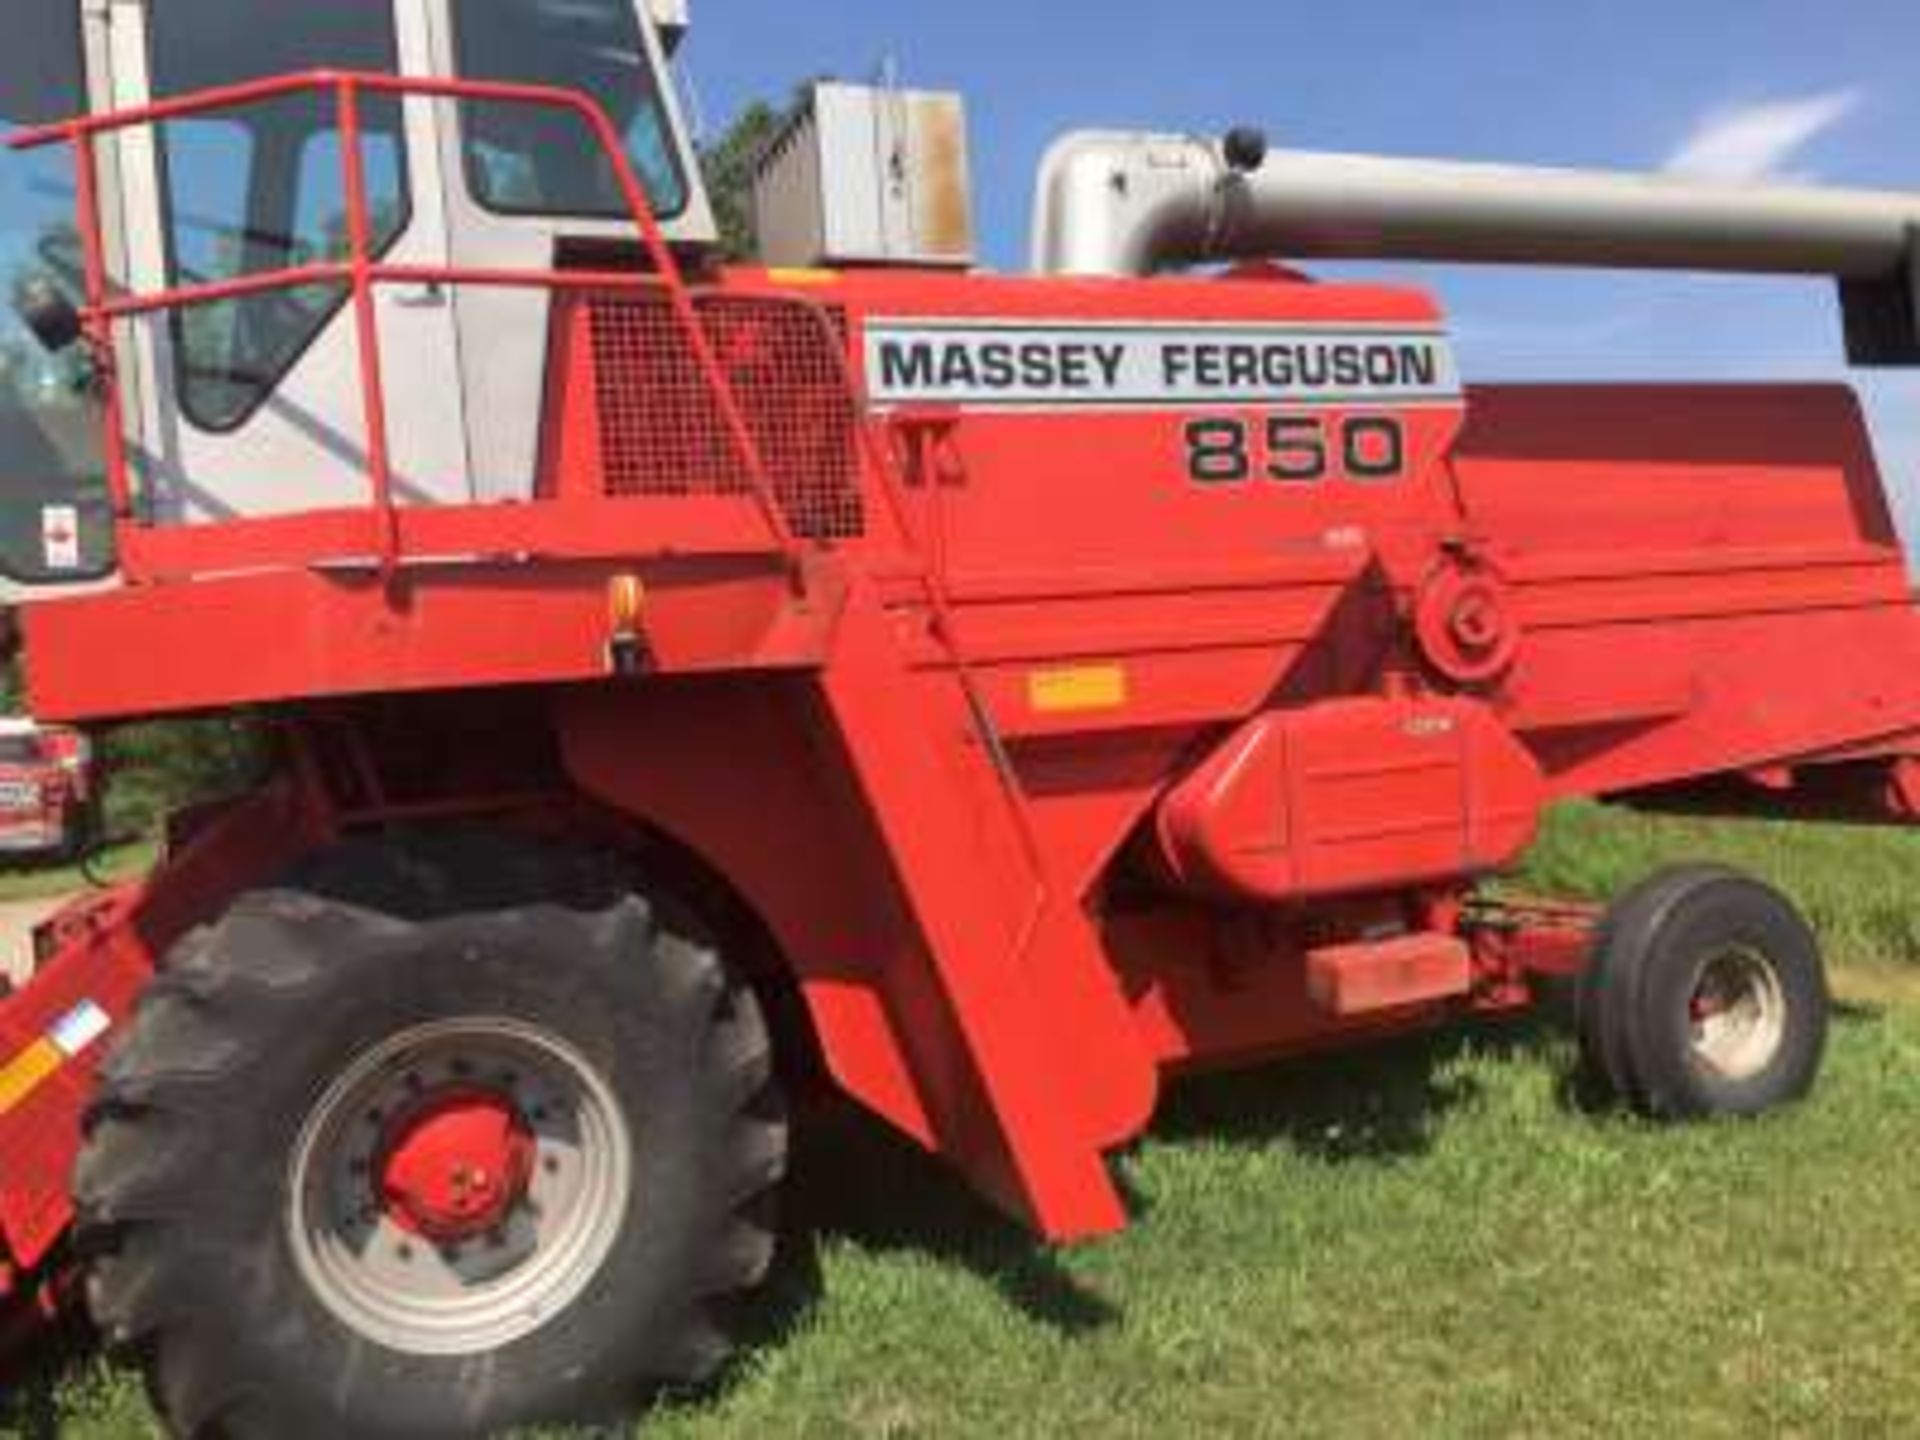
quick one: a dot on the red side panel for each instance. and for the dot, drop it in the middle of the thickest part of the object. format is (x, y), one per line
(52, 1035)
(1706, 577)
(1351, 796)
(1670, 469)
(54, 1032)
(957, 985)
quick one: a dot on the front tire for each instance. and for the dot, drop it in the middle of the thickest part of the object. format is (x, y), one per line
(437, 1140)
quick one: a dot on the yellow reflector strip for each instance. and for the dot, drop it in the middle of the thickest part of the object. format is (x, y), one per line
(1082, 688)
(27, 1072)
(804, 277)
(71, 1036)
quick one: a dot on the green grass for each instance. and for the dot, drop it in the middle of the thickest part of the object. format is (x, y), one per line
(27, 880)
(1434, 1238)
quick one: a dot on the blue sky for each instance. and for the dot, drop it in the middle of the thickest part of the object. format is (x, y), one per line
(1732, 88)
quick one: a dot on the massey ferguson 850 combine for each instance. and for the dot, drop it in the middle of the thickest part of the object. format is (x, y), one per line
(983, 696)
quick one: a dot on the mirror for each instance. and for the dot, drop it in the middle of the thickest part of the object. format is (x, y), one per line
(51, 318)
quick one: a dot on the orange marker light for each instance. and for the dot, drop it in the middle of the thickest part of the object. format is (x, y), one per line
(626, 609)
(626, 603)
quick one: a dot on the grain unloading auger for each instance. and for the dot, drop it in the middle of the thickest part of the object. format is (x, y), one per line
(695, 687)
(1127, 204)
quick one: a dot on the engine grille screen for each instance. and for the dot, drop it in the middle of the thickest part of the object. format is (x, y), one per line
(662, 428)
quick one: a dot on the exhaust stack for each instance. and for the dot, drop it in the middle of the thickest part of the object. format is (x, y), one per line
(1134, 204)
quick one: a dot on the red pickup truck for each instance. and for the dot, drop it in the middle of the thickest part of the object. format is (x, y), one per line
(46, 789)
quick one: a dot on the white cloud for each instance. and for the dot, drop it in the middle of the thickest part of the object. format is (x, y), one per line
(1748, 143)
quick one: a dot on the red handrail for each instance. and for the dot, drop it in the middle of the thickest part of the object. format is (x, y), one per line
(364, 275)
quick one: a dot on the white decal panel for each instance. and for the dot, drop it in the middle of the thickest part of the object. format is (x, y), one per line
(1021, 365)
(60, 536)
(79, 1028)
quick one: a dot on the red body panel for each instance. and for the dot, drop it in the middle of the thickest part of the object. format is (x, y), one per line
(102, 954)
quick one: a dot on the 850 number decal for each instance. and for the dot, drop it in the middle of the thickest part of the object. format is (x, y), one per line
(1296, 449)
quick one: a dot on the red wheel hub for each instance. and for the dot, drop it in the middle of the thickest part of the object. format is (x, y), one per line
(455, 1167)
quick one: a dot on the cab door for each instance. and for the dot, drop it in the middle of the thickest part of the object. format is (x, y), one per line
(527, 184)
(252, 407)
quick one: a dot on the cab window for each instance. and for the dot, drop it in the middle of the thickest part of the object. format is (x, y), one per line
(531, 160)
(55, 520)
(259, 187)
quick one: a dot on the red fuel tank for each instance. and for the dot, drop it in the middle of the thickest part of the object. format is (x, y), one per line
(1351, 796)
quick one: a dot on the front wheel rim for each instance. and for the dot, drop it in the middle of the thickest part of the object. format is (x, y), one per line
(480, 1280)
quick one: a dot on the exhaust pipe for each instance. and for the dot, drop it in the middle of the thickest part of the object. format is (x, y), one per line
(1118, 204)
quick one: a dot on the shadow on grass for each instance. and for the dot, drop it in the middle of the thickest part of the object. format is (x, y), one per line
(856, 1182)
(1380, 1103)
(1588, 1092)
(28, 1409)
(30, 1388)
(1858, 1012)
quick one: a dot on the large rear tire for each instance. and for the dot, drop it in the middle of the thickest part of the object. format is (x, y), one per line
(439, 1138)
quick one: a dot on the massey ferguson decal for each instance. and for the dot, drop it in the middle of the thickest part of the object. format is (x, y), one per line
(1020, 366)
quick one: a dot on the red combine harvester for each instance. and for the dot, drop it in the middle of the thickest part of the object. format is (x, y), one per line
(46, 789)
(987, 694)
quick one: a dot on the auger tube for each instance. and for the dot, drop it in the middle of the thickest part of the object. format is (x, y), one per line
(1117, 204)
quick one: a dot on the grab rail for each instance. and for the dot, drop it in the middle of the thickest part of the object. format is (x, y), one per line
(364, 275)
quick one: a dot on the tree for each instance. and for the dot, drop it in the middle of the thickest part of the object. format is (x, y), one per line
(731, 163)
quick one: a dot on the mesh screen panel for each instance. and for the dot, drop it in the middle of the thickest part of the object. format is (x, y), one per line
(662, 431)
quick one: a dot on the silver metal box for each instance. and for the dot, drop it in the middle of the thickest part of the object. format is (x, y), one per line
(868, 176)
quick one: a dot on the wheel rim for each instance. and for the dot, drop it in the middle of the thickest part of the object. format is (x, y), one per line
(459, 1186)
(1738, 1013)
